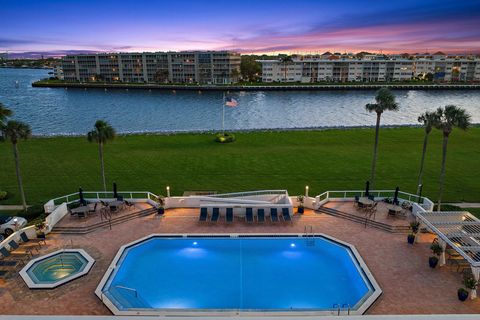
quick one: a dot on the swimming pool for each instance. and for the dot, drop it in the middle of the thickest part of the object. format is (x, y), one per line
(56, 268)
(240, 273)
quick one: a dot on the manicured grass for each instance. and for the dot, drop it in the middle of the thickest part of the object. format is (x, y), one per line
(324, 160)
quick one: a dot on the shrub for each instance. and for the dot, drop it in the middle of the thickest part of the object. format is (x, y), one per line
(3, 195)
(436, 248)
(225, 137)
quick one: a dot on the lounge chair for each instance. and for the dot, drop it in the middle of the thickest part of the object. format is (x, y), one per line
(203, 215)
(215, 214)
(27, 250)
(229, 215)
(286, 214)
(274, 214)
(261, 215)
(4, 274)
(36, 241)
(249, 215)
(12, 256)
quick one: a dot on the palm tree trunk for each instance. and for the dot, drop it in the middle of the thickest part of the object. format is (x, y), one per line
(420, 174)
(375, 148)
(442, 174)
(19, 176)
(100, 153)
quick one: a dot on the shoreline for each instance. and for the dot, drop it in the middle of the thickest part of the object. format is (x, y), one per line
(213, 131)
(294, 87)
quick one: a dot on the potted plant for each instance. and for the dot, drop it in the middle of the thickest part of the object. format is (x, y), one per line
(40, 229)
(300, 208)
(462, 294)
(437, 251)
(161, 205)
(411, 238)
(471, 284)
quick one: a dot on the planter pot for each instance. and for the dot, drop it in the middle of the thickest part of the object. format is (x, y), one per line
(411, 239)
(300, 209)
(161, 210)
(462, 295)
(432, 262)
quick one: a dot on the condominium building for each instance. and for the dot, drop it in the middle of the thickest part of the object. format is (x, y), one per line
(204, 67)
(338, 68)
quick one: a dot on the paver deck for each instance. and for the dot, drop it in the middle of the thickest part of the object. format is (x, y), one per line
(410, 286)
(381, 214)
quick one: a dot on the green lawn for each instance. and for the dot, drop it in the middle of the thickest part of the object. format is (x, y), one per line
(324, 160)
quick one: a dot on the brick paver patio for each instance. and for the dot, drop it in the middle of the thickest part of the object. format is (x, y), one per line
(402, 270)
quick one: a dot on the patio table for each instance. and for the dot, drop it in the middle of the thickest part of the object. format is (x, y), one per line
(116, 204)
(394, 209)
(80, 210)
(366, 202)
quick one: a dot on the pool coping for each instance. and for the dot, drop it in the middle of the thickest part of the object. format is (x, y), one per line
(32, 285)
(364, 270)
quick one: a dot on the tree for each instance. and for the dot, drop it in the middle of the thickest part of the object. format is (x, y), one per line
(385, 101)
(250, 69)
(101, 133)
(449, 117)
(14, 131)
(286, 60)
(428, 120)
(4, 114)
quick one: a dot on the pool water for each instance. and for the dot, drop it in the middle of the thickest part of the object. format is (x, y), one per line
(245, 274)
(57, 267)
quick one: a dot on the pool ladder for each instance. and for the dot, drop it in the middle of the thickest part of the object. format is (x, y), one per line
(309, 236)
(342, 308)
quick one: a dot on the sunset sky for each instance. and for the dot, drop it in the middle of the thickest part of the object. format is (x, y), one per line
(259, 26)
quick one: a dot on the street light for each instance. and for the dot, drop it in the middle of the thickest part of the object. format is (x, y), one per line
(306, 191)
(168, 191)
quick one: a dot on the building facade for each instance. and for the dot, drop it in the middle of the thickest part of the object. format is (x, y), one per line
(204, 67)
(332, 68)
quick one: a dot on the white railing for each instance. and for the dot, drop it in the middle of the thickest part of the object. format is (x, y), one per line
(95, 196)
(250, 193)
(55, 216)
(349, 195)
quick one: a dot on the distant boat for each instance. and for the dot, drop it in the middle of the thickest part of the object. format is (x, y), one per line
(17, 84)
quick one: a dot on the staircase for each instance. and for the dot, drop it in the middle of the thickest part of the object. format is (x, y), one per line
(103, 224)
(365, 221)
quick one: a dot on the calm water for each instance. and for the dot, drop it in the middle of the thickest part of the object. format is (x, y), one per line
(74, 111)
(237, 273)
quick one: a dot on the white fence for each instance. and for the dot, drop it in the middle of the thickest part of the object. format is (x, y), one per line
(349, 195)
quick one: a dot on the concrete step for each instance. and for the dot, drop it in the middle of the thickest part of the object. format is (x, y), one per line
(361, 220)
(103, 224)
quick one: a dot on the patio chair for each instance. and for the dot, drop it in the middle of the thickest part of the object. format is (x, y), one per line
(261, 215)
(229, 215)
(130, 205)
(120, 197)
(371, 197)
(274, 214)
(94, 210)
(4, 273)
(203, 214)
(27, 250)
(357, 199)
(249, 215)
(286, 214)
(13, 256)
(215, 214)
(36, 241)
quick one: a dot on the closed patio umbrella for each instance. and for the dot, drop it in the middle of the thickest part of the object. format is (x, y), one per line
(367, 189)
(80, 196)
(395, 197)
(115, 194)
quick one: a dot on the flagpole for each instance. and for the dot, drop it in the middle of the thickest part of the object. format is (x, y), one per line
(223, 113)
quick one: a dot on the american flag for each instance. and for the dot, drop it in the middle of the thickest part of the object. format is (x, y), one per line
(230, 102)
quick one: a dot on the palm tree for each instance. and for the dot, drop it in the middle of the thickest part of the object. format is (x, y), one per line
(429, 120)
(16, 130)
(449, 117)
(385, 100)
(4, 114)
(285, 60)
(102, 133)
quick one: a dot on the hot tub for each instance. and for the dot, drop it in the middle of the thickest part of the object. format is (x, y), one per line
(56, 268)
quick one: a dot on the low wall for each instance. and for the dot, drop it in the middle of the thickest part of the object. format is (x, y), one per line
(29, 231)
